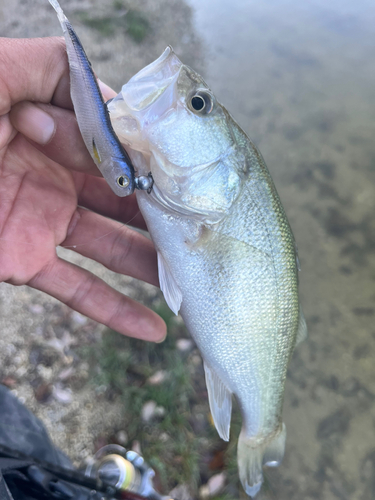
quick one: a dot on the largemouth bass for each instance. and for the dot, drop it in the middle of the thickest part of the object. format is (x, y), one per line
(226, 253)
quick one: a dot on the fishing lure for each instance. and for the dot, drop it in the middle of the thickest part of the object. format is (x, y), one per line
(93, 118)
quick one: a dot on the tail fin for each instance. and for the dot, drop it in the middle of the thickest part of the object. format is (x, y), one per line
(252, 455)
(60, 14)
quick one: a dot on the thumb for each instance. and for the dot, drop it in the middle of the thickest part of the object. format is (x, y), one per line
(33, 70)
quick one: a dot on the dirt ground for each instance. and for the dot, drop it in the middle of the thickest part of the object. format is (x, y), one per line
(299, 79)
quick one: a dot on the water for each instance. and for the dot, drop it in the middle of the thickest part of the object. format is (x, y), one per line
(300, 79)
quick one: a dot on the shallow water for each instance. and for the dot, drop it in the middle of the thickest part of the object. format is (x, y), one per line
(299, 77)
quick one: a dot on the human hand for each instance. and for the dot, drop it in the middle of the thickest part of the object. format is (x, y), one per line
(46, 176)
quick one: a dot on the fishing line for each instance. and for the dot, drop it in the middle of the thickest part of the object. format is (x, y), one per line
(122, 227)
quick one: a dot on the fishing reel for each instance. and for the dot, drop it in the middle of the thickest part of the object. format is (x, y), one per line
(125, 471)
(113, 473)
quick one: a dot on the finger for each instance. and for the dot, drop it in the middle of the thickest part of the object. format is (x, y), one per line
(55, 132)
(89, 295)
(67, 148)
(117, 247)
(7, 131)
(106, 91)
(33, 70)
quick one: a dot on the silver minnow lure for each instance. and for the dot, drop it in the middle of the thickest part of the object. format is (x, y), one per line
(226, 253)
(92, 115)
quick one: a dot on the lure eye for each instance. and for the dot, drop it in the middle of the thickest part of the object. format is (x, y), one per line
(123, 181)
(201, 102)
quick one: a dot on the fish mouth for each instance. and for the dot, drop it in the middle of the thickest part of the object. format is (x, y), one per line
(149, 84)
(147, 96)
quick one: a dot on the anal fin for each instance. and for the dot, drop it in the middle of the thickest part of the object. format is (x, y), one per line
(220, 399)
(168, 286)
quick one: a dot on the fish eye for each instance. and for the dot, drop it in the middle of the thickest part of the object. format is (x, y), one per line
(197, 103)
(201, 102)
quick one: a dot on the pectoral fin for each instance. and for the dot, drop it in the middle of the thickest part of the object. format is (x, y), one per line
(220, 399)
(302, 327)
(168, 286)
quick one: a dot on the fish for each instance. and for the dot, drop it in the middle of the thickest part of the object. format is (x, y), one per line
(227, 257)
(92, 115)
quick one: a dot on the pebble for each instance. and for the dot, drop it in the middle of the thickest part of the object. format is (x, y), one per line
(62, 395)
(148, 411)
(21, 371)
(78, 318)
(43, 392)
(196, 360)
(214, 486)
(204, 492)
(184, 345)
(151, 410)
(36, 308)
(158, 377)
(10, 349)
(66, 373)
(9, 382)
(122, 437)
(159, 411)
(62, 343)
(216, 483)
(181, 492)
(45, 372)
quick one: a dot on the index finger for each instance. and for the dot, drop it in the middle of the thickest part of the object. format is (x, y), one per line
(33, 70)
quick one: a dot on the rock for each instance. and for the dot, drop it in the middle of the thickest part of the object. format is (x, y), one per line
(78, 318)
(148, 411)
(196, 360)
(158, 377)
(184, 345)
(36, 308)
(60, 344)
(159, 411)
(43, 392)
(122, 437)
(151, 410)
(66, 373)
(204, 492)
(181, 492)
(62, 395)
(214, 486)
(216, 483)
(9, 382)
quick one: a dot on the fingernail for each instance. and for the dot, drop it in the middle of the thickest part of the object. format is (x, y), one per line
(161, 340)
(36, 124)
(106, 91)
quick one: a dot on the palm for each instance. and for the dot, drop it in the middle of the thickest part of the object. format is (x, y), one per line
(50, 195)
(37, 201)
